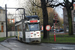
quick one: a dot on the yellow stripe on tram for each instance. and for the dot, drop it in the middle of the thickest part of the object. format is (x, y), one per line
(18, 35)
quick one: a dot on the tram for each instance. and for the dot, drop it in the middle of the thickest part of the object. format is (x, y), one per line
(28, 30)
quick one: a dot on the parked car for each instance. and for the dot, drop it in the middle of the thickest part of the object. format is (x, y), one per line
(59, 30)
(52, 30)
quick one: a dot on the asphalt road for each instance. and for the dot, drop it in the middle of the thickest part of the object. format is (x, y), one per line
(13, 44)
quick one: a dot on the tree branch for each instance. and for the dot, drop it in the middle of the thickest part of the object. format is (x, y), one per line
(36, 5)
(71, 5)
(56, 5)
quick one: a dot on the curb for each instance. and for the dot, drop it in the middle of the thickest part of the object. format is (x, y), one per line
(6, 39)
(59, 43)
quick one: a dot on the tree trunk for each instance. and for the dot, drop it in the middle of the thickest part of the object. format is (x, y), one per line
(45, 18)
(70, 22)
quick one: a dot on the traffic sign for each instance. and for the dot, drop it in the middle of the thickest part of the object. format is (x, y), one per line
(48, 27)
(55, 21)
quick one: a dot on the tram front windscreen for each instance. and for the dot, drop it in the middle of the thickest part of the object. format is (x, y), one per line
(34, 27)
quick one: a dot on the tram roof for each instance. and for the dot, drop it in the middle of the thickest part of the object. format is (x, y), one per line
(18, 21)
(29, 17)
(32, 16)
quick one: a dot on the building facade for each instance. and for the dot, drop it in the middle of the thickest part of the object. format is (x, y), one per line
(73, 20)
(65, 19)
(2, 21)
(11, 21)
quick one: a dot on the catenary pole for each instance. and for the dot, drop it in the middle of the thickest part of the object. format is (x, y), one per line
(6, 19)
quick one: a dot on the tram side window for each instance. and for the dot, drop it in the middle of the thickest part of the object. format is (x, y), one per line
(19, 28)
(27, 29)
(15, 28)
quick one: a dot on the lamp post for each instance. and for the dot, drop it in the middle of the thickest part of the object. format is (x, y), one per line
(6, 19)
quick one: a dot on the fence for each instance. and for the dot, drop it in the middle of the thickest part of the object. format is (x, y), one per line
(10, 33)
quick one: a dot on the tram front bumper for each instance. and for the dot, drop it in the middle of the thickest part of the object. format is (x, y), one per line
(35, 40)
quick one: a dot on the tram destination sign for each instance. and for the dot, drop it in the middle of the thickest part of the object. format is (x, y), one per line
(33, 21)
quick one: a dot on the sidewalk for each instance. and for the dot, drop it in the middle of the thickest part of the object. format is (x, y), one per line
(3, 47)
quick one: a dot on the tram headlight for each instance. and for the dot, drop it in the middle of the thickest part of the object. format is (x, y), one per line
(37, 32)
(31, 36)
(31, 33)
(38, 35)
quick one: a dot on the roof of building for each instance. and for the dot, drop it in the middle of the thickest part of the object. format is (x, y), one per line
(1, 8)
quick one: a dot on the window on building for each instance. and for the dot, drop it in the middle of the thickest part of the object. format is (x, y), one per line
(2, 30)
(74, 18)
(0, 27)
(19, 28)
(0, 11)
(67, 28)
(74, 15)
(74, 12)
(74, 26)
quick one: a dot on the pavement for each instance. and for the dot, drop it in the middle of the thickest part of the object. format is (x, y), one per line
(14, 44)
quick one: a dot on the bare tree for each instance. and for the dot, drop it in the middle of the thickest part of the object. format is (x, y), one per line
(54, 3)
(40, 7)
(69, 6)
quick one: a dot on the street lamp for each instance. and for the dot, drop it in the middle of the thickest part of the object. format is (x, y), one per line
(6, 20)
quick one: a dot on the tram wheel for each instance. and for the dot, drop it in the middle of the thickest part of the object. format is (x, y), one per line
(21, 39)
(16, 36)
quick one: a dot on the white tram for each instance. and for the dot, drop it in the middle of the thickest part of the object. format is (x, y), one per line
(28, 30)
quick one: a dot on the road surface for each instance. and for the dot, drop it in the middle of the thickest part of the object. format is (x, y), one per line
(13, 44)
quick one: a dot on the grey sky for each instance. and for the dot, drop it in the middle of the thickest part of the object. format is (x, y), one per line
(59, 10)
(14, 3)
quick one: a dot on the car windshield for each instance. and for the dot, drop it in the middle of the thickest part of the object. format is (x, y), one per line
(33, 27)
